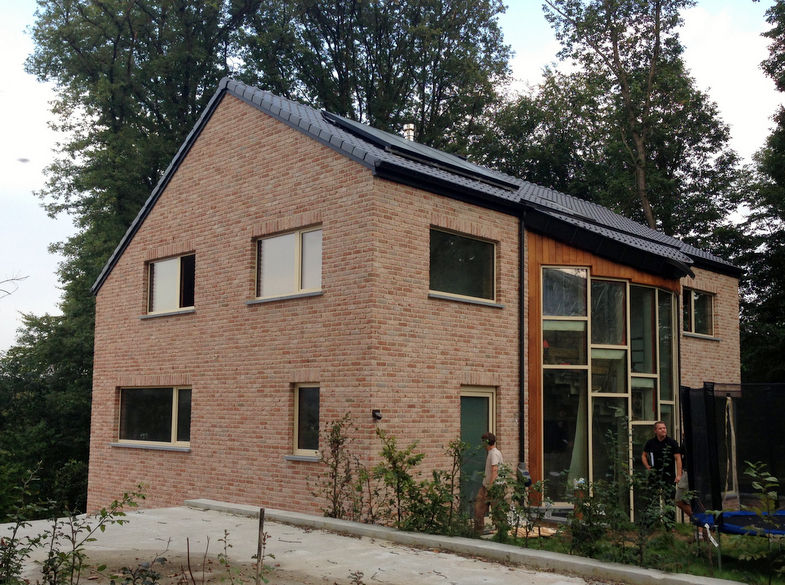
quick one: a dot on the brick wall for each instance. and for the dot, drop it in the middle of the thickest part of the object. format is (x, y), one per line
(373, 339)
(716, 358)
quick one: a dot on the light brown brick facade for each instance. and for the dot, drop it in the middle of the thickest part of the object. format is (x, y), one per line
(372, 340)
(715, 358)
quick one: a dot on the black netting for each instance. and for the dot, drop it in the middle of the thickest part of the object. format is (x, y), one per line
(716, 414)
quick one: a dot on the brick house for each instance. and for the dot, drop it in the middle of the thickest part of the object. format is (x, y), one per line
(292, 266)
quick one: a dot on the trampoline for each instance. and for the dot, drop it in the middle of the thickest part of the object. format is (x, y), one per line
(744, 522)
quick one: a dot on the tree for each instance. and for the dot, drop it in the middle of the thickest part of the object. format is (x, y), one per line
(132, 77)
(434, 63)
(631, 51)
(760, 246)
(9, 286)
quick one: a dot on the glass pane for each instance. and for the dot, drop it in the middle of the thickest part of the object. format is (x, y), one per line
(666, 416)
(665, 300)
(462, 266)
(278, 265)
(704, 315)
(642, 329)
(608, 312)
(644, 399)
(165, 285)
(610, 452)
(146, 414)
(565, 440)
(312, 260)
(184, 415)
(609, 371)
(640, 434)
(564, 342)
(686, 310)
(564, 292)
(308, 418)
(187, 280)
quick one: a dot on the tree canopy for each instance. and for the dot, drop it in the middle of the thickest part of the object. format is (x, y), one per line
(133, 76)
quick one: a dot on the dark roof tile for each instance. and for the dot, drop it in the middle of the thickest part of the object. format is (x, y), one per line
(390, 156)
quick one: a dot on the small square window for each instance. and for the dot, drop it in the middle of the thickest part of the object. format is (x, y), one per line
(462, 266)
(306, 419)
(289, 264)
(155, 415)
(698, 312)
(171, 284)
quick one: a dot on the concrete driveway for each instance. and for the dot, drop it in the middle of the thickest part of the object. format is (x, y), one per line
(304, 552)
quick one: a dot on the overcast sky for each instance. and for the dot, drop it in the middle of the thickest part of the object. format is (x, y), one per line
(723, 52)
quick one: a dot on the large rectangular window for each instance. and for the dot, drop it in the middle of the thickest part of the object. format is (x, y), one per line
(289, 264)
(698, 312)
(462, 266)
(171, 284)
(306, 419)
(155, 415)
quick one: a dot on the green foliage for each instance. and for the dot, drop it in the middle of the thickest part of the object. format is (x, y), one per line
(627, 129)
(766, 486)
(338, 483)
(426, 62)
(436, 506)
(20, 503)
(65, 540)
(395, 472)
(143, 574)
(528, 509)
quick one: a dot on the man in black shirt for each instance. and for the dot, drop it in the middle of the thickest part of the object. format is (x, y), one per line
(662, 454)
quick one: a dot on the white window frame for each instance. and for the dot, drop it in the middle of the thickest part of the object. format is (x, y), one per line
(296, 450)
(297, 286)
(175, 392)
(688, 299)
(174, 295)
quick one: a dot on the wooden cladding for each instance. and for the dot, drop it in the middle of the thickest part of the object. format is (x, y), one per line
(543, 251)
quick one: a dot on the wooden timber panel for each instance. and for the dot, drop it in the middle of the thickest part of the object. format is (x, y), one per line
(543, 251)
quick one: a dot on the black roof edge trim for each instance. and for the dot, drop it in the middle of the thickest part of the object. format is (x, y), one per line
(718, 267)
(563, 231)
(167, 175)
(391, 171)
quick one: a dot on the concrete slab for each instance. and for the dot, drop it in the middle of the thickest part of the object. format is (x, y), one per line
(325, 550)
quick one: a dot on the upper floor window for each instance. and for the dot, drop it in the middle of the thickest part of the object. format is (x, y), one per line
(462, 266)
(155, 415)
(171, 284)
(289, 263)
(698, 312)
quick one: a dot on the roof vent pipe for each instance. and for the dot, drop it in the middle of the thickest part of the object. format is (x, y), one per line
(408, 131)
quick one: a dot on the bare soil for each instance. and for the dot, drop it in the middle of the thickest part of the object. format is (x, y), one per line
(174, 569)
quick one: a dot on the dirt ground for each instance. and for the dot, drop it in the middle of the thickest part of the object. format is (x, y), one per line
(174, 569)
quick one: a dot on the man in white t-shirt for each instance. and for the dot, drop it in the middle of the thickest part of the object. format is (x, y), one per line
(493, 460)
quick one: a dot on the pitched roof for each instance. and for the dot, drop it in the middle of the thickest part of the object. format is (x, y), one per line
(564, 217)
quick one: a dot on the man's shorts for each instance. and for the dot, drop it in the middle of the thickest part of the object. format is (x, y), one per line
(682, 487)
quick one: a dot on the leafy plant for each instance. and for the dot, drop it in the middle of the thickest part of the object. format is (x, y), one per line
(337, 484)
(395, 472)
(766, 486)
(64, 564)
(15, 549)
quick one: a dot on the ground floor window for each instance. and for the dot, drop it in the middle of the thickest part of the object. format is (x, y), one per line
(155, 415)
(608, 367)
(306, 419)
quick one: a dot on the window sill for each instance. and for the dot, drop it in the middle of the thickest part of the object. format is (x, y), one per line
(446, 297)
(699, 336)
(308, 458)
(168, 313)
(151, 447)
(317, 293)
